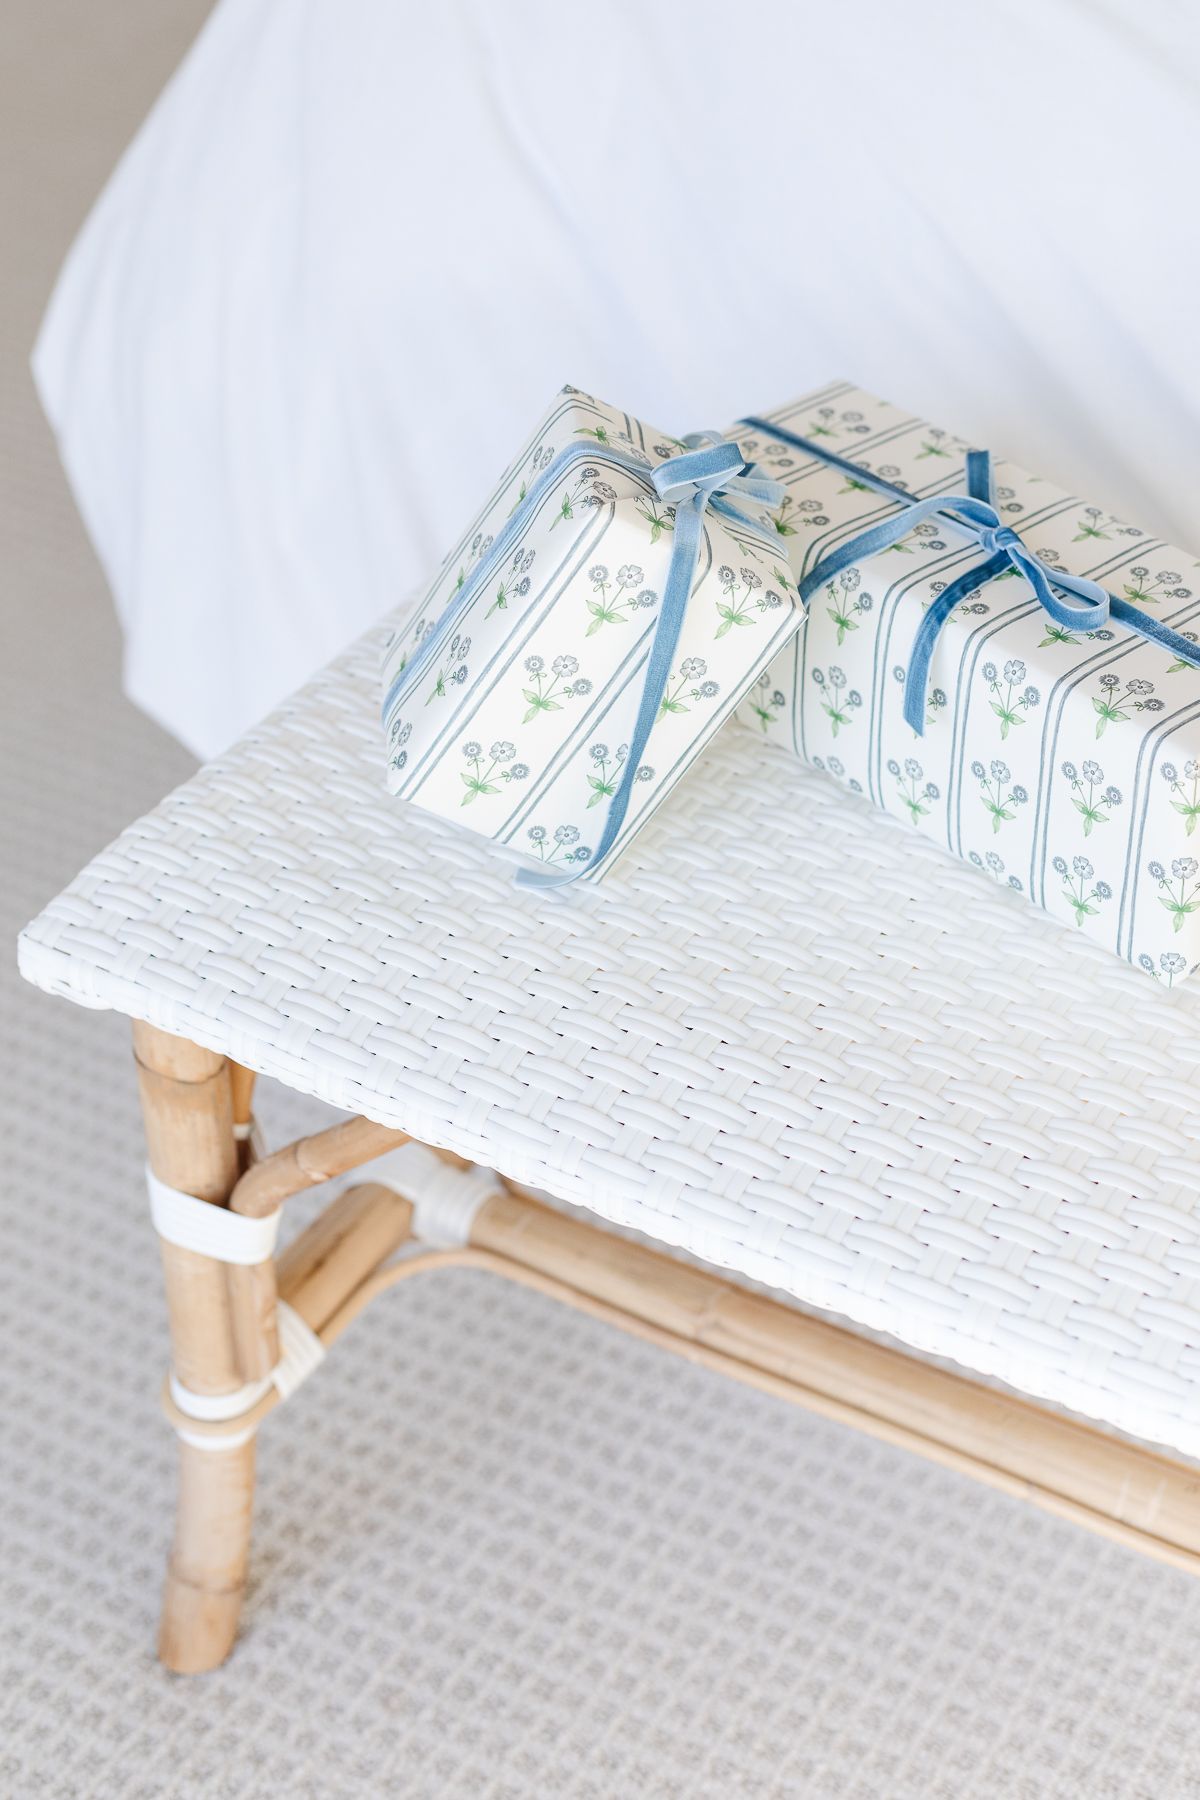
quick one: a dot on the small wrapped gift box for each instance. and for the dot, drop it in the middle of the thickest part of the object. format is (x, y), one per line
(1010, 670)
(617, 596)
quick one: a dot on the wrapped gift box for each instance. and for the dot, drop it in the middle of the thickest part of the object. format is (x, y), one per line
(512, 690)
(1064, 763)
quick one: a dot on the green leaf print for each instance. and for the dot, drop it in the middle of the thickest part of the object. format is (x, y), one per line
(1149, 586)
(487, 774)
(1178, 891)
(475, 787)
(909, 788)
(1007, 717)
(729, 617)
(745, 597)
(1185, 791)
(999, 795)
(767, 702)
(548, 688)
(1085, 901)
(657, 521)
(538, 703)
(1116, 704)
(615, 610)
(1092, 522)
(848, 604)
(1089, 795)
(839, 701)
(1010, 699)
(607, 772)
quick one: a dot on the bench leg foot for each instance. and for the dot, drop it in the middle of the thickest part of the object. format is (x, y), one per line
(206, 1573)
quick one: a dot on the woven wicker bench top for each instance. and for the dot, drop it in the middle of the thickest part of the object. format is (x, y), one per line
(784, 1033)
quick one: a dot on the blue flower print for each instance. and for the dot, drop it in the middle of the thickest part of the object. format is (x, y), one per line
(1179, 891)
(453, 671)
(993, 865)
(548, 689)
(515, 583)
(912, 787)
(1090, 795)
(999, 794)
(1185, 791)
(1170, 966)
(484, 775)
(838, 704)
(1083, 893)
(1011, 698)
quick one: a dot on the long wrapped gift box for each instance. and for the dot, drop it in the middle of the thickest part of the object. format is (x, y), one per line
(1054, 742)
(604, 613)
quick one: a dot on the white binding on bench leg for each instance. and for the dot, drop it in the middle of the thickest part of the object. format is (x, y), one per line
(301, 1350)
(231, 1440)
(229, 1237)
(445, 1200)
(210, 1230)
(217, 1406)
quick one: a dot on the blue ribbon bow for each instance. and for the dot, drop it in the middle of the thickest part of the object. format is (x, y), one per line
(710, 474)
(1074, 602)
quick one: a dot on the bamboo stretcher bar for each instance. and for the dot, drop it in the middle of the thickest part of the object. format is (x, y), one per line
(1132, 1495)
(339, 1250)
(266, 1185)
(309, 1161)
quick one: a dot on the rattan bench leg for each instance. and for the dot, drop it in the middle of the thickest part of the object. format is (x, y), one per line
(188, 1111)
(206, 1573)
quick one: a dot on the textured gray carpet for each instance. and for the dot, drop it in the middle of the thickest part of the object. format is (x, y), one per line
(500, 1550)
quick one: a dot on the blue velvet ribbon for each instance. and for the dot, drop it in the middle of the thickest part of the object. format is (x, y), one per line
(1074, 602)
(709, 475)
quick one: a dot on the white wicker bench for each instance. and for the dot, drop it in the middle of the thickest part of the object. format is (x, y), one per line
(784, 1035)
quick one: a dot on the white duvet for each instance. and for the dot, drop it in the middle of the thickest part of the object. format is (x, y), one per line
(359, 243)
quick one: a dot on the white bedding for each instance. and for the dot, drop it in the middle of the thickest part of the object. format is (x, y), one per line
(359, 243)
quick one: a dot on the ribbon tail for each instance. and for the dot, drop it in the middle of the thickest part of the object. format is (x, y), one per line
(685, 554)
(856, 473)
(870, 542)
(1074, 602)
(979, 476)
(1134, 619)
(916, 680)
(727, 505)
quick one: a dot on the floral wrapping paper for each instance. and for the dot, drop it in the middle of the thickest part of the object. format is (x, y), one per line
(1064, 765)
(519, 729)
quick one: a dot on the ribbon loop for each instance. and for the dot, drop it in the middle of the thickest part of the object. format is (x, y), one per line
(1073, 602)
(708, 467)
(716, 467)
